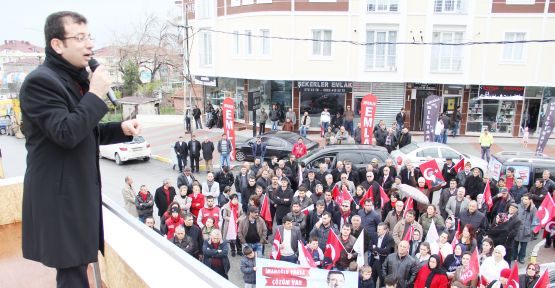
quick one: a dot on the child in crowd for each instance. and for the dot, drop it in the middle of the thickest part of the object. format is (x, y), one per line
(390, 281)
(315, 251)
(248, 267)
(365, 277)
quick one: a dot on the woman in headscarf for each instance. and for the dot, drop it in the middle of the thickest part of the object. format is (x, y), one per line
(432, 275)
(492, 266)
(453, 261)
(463, 278)
(529, 279)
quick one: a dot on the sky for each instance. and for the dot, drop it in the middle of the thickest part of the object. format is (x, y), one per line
(24, 19)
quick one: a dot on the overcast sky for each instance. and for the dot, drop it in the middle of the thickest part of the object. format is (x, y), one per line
(24, 19)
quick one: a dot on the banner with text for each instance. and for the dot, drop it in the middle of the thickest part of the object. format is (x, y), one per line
(431, 113)
(368, 112)
(547, 127)
(229, 123)
(276, 274)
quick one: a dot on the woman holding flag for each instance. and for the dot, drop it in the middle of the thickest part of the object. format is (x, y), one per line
(463, 277)
(231, 213)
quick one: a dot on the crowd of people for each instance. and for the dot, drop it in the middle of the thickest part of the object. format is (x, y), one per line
(221, 217)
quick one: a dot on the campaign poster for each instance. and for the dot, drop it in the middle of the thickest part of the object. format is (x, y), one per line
(368, 112)
(229, 123)
(431, 113)
(281, 274)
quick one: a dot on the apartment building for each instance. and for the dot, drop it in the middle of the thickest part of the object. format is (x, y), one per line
(315, 54)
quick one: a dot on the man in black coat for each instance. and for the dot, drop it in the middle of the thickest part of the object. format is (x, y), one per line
(282, 199)
(194, 154)
(208, 154)
(224, 178)
(381, 245)
(62, 213)
(196, 115)
(163, 197)
(181, 151)
(404, 138)
(505, 230)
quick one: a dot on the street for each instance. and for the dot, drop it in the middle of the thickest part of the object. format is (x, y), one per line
(152, 173)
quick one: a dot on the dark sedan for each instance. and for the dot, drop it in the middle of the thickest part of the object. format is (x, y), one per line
(278, 143)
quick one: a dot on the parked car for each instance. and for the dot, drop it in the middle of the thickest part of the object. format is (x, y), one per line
(278, 143)
(419, 152)
(137, 148)
(527, 165)
(359, 155)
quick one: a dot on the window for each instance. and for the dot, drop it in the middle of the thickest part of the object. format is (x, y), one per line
(355, 158)
(447, 58)
(205, 48)
(236, 44)
(382, 5)
(428, 152)
(449, 6)
(265, 41)
(513, 51)
(381, 56)
(321, 46)
(205, 9)
(248, 42)
(448, 153)
(273, 142)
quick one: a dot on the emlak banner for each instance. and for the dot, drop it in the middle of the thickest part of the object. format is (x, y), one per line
(367, 115)
(272, 273)
(431, 113)
(229, 123)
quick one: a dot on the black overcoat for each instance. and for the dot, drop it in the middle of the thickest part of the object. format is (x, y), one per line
(62, 216)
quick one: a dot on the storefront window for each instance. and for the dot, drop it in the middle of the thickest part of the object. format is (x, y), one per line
(315, 102)
(493, 107)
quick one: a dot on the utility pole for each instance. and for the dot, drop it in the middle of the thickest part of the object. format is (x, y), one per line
(187, 73)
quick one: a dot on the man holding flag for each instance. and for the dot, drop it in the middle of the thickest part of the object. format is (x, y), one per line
(348, 254)
(402, 228)
(322, 228)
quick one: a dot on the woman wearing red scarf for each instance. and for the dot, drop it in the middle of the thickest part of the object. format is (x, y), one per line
(144, 203)
(197, 200)
(231, 213)
(432, 275)
(173, 221)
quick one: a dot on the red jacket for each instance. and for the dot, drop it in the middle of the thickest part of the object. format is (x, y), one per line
(171, 224)
(439, 281)
(206, 212)
(197, 203)
(299, 149)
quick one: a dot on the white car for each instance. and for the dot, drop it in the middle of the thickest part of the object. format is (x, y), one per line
(137, 148)
(419, 152)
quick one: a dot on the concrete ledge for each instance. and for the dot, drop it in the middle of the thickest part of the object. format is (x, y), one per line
(11, 193)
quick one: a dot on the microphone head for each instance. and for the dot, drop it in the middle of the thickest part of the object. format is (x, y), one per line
(93, 64)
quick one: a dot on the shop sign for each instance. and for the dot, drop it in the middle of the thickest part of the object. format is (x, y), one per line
(501, 92)
(206, 81)
(254, 100)
(325, 86)
(229, 123)
(431, 113)
(368, 113)
(547, 128)
(425, 86)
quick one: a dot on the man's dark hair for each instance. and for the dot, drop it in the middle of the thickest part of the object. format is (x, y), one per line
(326, 213)
(287, 218)
(149, 217)
(233, 196)
(209, 197)
(390, 280)
(54, 26)
(335, 272)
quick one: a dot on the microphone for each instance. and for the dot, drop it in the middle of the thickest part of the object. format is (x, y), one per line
(93, 64)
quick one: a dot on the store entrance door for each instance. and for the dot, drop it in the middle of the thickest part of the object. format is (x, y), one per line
(417, 111)
(450, 104)
(530, 116)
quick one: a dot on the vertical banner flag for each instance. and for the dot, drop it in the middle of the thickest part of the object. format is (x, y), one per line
(229, 123)
(431, 112)
(487, 196)
(431, 237)
(368, 112)
(547, 127)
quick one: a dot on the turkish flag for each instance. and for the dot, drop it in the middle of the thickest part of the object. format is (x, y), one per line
(265, 212)
(383, 197)
(333, 250)
(455, 240)
(307, 209)
(473, 268)
(543, 281)
(344, 195)
(409, 205)
(431, 172)
(305, 259)
(459, 166)
(335, 192)
(276, 255)
(408, 235)
(487, 196)
(545, 212)
(513, 281)
(368, 195)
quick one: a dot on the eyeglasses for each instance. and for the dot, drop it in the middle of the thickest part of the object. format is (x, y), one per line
(80, 37)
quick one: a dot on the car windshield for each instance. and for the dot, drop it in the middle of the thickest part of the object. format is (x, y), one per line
(409, 148)
(309, 153)
(137, 140)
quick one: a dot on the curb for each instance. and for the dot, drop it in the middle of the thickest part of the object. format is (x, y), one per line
(161, 158)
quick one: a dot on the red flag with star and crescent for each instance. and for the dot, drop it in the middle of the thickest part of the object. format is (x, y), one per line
(459, 166)
(265, 212)
(431, 172)
(368, 195)
(333, 249)
(487, 196)
(513, 281)
(545, 212)
(343, 195)
(543, 282)
(335, 192)
(409, 205)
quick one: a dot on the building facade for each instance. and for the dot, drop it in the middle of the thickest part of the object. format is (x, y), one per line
(315, 54)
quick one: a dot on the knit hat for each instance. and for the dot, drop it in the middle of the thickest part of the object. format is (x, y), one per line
(505, 273)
